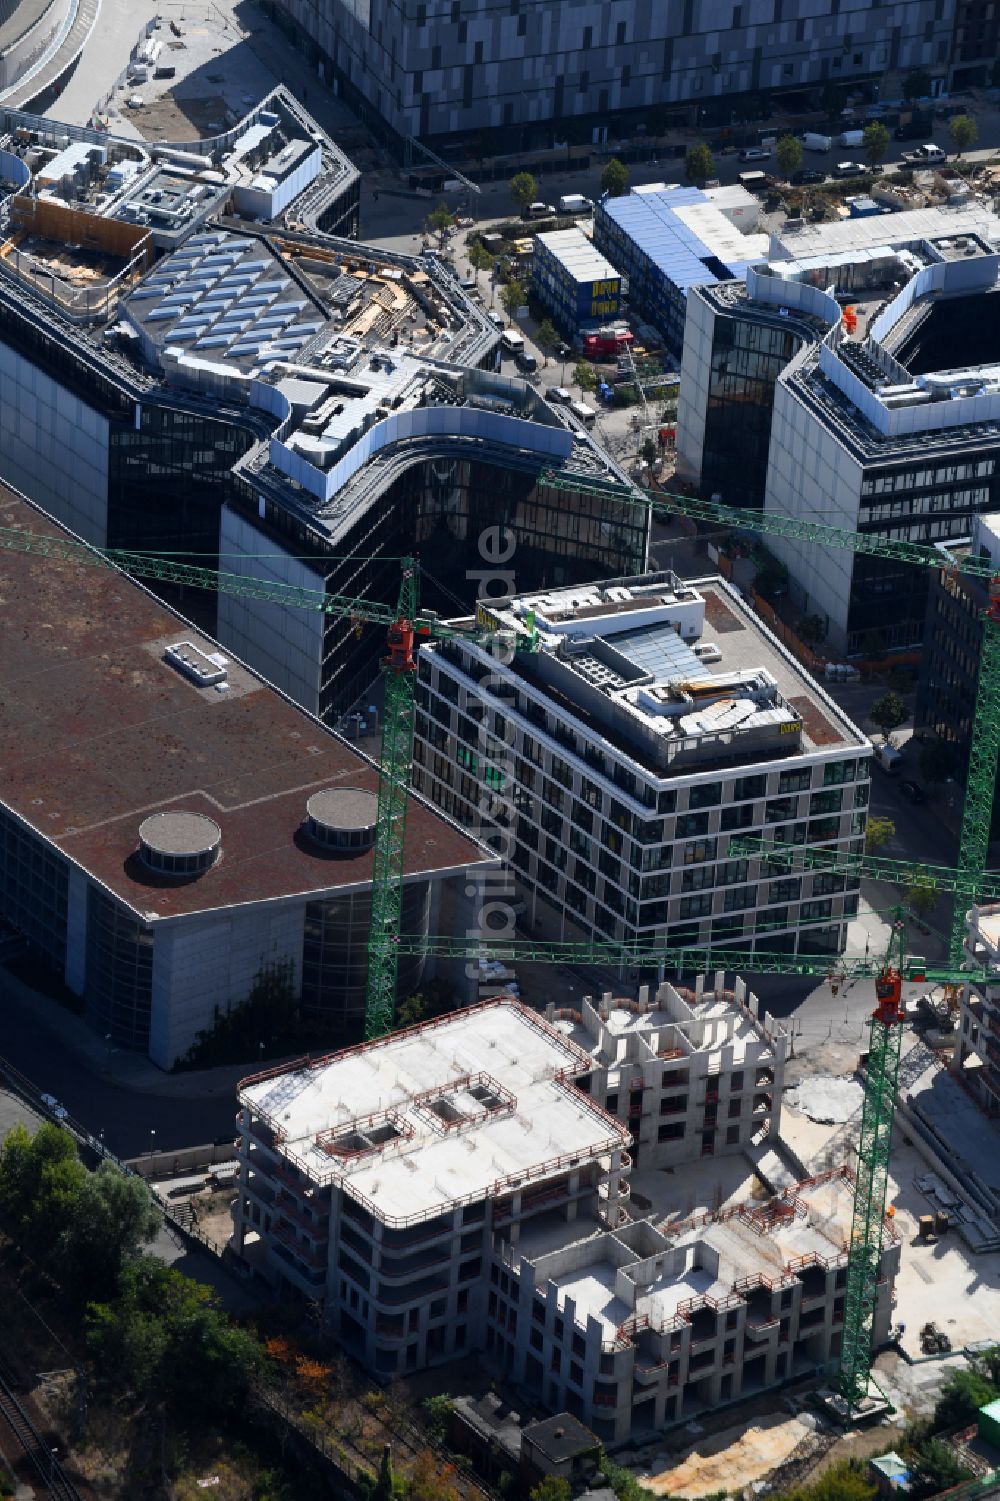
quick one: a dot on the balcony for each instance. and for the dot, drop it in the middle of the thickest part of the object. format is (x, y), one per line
(648, 1369)
(287, 1238)
(703, 1346)
(390, 1328)
(620, 1189)
(317, 1229)
(762, 1104)
(760, 1328)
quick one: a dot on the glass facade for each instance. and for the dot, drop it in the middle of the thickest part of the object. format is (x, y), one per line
(119, 971)
(34, 882)
(747, 358)
(441, 508)
(167, 482)
(930, 501)
(617, 869)
(335, 957)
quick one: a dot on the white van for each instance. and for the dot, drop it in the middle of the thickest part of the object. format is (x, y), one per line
(583, 412)
(889, 759)
(511, 341)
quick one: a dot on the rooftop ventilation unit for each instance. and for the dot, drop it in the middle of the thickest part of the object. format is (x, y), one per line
(202, 668)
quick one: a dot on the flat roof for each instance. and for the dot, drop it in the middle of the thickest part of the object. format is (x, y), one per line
(752, 684)
(887, 229)
(577, 255)
(225, 297)
(97, 732)
(444, 1113)
(685, 235)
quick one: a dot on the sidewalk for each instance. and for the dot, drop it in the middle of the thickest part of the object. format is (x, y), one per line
(119, 1066)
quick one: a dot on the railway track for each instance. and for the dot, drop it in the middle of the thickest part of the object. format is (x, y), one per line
(14, 1415)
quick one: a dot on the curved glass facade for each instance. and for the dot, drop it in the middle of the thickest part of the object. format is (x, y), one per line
(335, 955)
(119, 971)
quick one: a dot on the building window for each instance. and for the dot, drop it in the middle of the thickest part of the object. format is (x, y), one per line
(691, 824)
(795, 781)
(705, 795)
(699, 850)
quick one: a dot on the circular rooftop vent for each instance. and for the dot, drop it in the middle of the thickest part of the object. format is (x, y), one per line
(342, 818)
(179, 844)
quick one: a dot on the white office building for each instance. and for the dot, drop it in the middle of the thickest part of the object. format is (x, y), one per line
(638, 729)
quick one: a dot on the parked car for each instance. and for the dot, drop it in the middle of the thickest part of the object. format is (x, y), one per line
(755, 154)
(912, 791)
(807, 175)
(851, 169)
(560, 394)
(54, 1108)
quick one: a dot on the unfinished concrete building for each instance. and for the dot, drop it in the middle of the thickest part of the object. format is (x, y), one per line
(692, 1073)
(976, 1060)
(458, 1187)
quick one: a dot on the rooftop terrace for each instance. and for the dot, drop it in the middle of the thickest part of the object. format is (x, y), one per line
(681, 676)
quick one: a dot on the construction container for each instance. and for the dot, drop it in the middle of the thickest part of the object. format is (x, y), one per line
(574, 281)
(941, 1223)
(926, 1226)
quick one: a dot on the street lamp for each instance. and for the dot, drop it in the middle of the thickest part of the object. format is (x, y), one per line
(152, 1143)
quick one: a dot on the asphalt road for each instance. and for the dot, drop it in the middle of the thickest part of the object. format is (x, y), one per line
(125, 1116)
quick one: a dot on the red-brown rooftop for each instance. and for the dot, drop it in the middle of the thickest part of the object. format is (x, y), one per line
(99, 734)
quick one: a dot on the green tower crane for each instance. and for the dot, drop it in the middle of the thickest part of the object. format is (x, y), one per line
(398, 672)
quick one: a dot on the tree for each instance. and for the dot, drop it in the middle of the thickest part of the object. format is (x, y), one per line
(812, 629)
(699, 164)
(788, 154)
(523, 189)
(480, 258)
(963, 131)
(844, 1481)
(440, 220)
(648, 451)
(888, 713)
(936, 761)
(771, 579)
(614, 178)
(551, 1488)
(165, 1338)
(267, 1021)
(431, 1481)
(113, 1218)
(876, 143)
(512, 297)
(935, 1467)
(547, 338)
(385, 1484)
(965, 1392)
(437, 1415)
(41, 1178)
(917, 84)
(584, 375)
(921, 894)
(878, 832)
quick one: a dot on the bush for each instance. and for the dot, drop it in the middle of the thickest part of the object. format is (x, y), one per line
(964, 1393)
